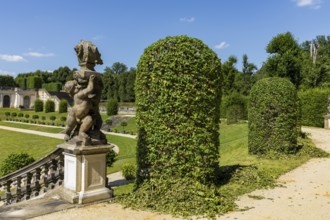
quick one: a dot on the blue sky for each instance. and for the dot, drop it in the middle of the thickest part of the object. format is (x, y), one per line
(41, 34)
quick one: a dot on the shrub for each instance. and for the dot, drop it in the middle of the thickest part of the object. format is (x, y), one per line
(272, 117)
(111, 157)
(178, 95)
(129, 171)
(49, 106)
(112, 107)
(52, 117)
(55, 87)
(123, 124)
(27, 116)
(63, 106)
(33, 82)
(20, 115)
(314, 105)
(35, 117)
(13, 114)
(235, 107)
(43, 118)
(63, 118)
(38, 105)
(7, 114)
(15, 162)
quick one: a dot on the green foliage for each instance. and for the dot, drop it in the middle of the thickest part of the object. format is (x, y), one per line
(63, 118)
(7, 114)
(129, 171)
(21, 82)
(13, 114)
(286, 58)
(49, 106)
(235, 108)
(63, 106)
(35, 116)
(7, 81)
(273, 117)
(15, 161)
(313, 104)
(54, 86)
(112, 107)
(38, 105)
(27, 116)
(20, 115)
(111, 157)
(33, 82)
(52, 117)
(178, 95)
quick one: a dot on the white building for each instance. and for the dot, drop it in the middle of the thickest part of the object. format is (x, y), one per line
(19, 98)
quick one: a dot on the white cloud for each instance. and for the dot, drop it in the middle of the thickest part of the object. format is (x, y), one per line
(315, 4)
(11, 58)
(222, 45)
(189, 20)
(5, 72)
(36, 54)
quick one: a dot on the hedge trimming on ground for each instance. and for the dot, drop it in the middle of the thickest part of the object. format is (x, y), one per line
(178, 96)
(273, 115)
(313, 104)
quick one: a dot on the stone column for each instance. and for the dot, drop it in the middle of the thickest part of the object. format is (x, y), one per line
(85, 173)
(327, 121)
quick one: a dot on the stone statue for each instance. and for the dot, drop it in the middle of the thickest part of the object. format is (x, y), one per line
(84, 120)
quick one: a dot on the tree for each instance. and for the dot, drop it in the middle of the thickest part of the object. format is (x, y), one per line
(245, 80)
(118, 68)
(178, 95)
(285, 60)
(7, 81)
(112, 107)
(229, 72)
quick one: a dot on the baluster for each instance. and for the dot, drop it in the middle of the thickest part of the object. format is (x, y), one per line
(45, 177)
(52, 170)
(60, 169)
(37, 182)
(8, 192)
(28, 186)
(18, 189)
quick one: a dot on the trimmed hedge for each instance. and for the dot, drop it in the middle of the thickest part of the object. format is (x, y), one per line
(33, 82)
(178, 96)
(55, 87)
(38, 105)
(63, 106)
(49, 106)
(273, 115)
(15, 161)
(314, 105)
(112, 107)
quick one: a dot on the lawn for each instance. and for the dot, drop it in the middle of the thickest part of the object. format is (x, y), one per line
(33, 127)
(37, 146)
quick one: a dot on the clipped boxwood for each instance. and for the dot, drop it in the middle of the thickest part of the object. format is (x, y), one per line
(178, 96)
(49, 106)
(112, 107)
(38, 105)
(63, 106)
(272, 115)
(314, 105)
(235, 107)
(15, 161)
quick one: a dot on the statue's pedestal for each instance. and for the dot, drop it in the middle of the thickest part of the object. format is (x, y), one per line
(327, 121)
(85, 173)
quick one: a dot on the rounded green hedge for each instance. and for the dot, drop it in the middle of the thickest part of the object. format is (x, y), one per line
(38, 105)
(314, 105)
(49, 106)
(178, 96)
(63, 106)
(272, 115)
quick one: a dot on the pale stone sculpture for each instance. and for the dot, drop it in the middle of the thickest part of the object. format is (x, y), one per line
(84, 120)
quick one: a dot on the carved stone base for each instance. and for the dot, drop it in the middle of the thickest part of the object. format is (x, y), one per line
(326, 121)
(85, 173)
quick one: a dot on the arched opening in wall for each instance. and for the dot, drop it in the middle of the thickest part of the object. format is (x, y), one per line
(6, 101)
(26, 102)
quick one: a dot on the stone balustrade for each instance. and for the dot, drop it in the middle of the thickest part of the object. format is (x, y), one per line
(33, 180)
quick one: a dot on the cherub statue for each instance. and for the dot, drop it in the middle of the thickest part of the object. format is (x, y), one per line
(84, 120)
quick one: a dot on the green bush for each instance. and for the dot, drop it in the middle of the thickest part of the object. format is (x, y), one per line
(33, 82)
(35, 117)
(27, 116)
(7, 114)
(314, 105)
(38, 105)
(111, 157)
(20, 115)
(13, 114)
(49, 106)
(55, 87)
(177, 95)
(52, 117)
(112, 107)
(273, 115)
(63, 106)
(129, 171)
(15, 161)
(235, 107)
(63, 118)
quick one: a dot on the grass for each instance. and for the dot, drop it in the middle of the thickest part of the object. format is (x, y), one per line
(36, 146)
(33, 127)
